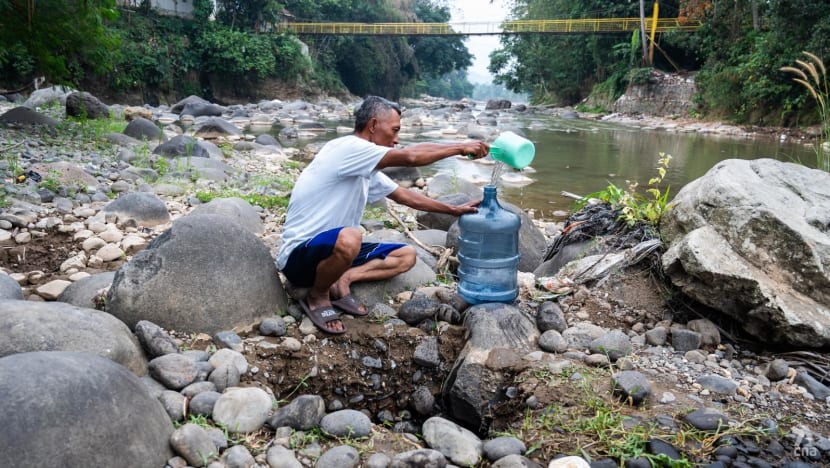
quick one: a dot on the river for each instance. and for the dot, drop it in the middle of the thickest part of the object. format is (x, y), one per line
(582, 156)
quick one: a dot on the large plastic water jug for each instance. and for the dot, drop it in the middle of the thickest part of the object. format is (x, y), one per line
(488, 252)
(513, 150)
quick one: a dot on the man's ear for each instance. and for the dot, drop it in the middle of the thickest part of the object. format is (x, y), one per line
(372, 124)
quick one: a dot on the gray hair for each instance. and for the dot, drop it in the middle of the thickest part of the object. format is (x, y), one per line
(371, 107)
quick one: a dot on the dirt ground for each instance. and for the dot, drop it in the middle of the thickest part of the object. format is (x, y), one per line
(336, 367)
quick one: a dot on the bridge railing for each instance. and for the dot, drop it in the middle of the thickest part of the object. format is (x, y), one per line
(563, 26)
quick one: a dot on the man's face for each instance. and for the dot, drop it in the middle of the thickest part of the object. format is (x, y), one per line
(384, 128)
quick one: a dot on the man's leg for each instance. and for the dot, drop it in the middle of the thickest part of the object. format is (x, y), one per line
(328, 271)
(395, 263)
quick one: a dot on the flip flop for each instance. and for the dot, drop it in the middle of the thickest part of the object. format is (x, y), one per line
(349, 305)
(322, 317)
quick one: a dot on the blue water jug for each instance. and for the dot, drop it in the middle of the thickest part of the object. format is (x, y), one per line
(488, 252)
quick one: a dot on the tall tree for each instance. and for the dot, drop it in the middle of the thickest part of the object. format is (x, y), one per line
(438, 56)
(56, 38)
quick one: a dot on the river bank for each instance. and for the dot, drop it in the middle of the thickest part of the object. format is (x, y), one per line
(561, 398)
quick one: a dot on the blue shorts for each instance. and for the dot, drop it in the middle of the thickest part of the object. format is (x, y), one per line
(301, 267)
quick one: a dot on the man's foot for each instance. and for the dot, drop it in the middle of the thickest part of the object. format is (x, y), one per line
(326, 318)
(350, 305)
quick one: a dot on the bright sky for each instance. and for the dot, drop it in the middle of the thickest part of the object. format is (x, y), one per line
(470, 11)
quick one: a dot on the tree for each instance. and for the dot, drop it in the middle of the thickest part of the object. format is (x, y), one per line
(438, 56)
(57, 38)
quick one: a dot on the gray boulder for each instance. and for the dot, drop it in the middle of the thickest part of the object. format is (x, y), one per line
(200, 109)
(192, 99)
(143, 130)
(65, 173)
(752, 240)
(497, 104)
(234, 208)
(46, 96)
(373, 292)
(20, 116)
(85, 292)
(78, 409)
(531, 240)
(9, 289)
(204, 274)
(215, 127)
(84, 104)
(145, 209)
(54, 326)
(498, 333)
(182, 145)
(442, 221)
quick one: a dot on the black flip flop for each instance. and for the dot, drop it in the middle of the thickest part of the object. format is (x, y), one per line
(349, 305)
(321, 317)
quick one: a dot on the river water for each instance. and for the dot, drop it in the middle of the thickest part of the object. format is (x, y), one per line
(583, 156)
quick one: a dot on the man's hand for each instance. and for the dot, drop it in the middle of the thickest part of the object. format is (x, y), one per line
(476, 149)
(469, 207)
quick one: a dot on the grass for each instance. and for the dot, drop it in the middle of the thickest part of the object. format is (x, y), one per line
(587, 421)
(807, 75)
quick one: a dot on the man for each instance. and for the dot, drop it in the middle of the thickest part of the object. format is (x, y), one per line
(322, 245)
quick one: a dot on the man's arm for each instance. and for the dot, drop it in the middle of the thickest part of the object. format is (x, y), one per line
(423, 154)
(421, 202)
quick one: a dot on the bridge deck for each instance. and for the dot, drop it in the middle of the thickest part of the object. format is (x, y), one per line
(563, 26)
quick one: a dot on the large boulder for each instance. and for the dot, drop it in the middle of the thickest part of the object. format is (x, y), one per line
(47, 96)
(145, 209)
(234, 208)
(24, 116)
(182, 146)
(65, 173)
(215, 127)
(55, 326)
(499, 335)
(143, 130)
(78, 409)
(84, 104)
(752, 240)
(206, 274)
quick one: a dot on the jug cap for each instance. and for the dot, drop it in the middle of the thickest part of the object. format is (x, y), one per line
(513, 150)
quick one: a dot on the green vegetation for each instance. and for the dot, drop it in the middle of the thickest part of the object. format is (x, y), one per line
(589, 424)
(269, 202)
(807, 75)
(636, 207)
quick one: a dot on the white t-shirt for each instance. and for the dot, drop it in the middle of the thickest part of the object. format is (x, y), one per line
(333, 191)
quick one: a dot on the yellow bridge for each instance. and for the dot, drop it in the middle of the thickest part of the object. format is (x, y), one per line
(563, 26)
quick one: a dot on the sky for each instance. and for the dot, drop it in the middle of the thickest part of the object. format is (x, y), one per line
(467, 11)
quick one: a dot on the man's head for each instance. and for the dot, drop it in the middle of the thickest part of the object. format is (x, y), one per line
(378, 120)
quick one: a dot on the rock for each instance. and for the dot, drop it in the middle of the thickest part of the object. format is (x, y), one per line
(85, 105)
(420, 458)
(441, 221)
(281, 457)
(216, 127)
(266, 140)
(632, 386)
(24, 116)
(55, 326)
(145, 209)
(614, 344)
(570, 462)
(203, 403)
(173, 403)
(550, 317)
(346, 423)
(497, 104)
(302, 414)
(706, 419)
(143, 129)
(683, 340)
(581, 334)
(816, 388)
(515, 461)
(236, 209)
(154, 340)
(229, 340)
(660, 447)
(344, 456)
(230, 357)
(182, 146)
(133, 112)
(272, 326)
(10, 288)
(178, 107)
(718, 384)
(553, 342)
(500, 447)
(200, 109)
(657, 336)
(49, 395)
(174, 371)
(48, 95)
(778, 369)
(65, 173)
(167, 282)
(459, 445)
(87, 292)
(762, 265)
(426, 353)
(709, 333)
(225, 376)
(422, 401)
(194, 444)
(242, 410)
(495, 330)
(372, 292)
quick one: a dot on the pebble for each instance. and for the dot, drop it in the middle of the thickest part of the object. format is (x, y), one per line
(174, 371)
(344, 456)
(225, 376)
(272, 326)
(242, 410)
(426, 353)
(282, 457)
(193, 443)
(53, 289)
(346, 423)
(500, 447)
(553, 342)
(458, 444)
(632, 386)
(706, 419)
